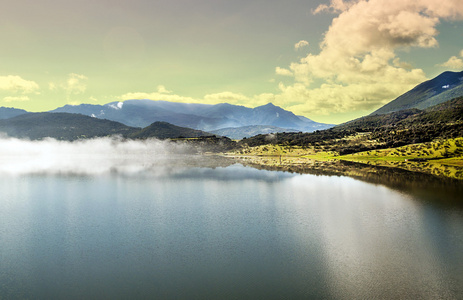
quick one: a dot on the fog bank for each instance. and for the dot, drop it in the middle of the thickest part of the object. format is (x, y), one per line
(92, 156)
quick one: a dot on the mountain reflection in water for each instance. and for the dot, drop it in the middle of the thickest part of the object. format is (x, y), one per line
(204, 227)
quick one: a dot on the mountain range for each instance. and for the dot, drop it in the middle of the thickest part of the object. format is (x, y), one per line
(141, 113)
(223, 119)
(67, 126)
(410, 126)
(239, 133)
(9, 112)
(148, 118)
(440, 89)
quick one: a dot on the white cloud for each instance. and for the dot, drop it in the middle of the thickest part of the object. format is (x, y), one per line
(228, 97)
(162, 90)
(157, 96)
(13, 83)
(283, 72)
(357, 67)
(16, 99)
(222, 97)
(447, 9)
(117, 106)
(301, 44)
(76, 84)
(335, 6)
(454, 63)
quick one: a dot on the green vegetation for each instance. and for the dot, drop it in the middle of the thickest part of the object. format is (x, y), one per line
(164, 130)
(61, 126)
(427, 141)
(442, 158)
(376, 132)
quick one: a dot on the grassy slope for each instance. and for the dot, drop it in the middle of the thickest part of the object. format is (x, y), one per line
(434, 135)
(442, 158)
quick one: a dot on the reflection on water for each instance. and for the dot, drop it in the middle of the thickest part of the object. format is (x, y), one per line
(224, 232)
(440, 190)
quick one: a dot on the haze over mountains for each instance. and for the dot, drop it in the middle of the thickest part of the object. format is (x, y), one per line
(223, 119)
(141, 113)
(192, 120)
(69, 127)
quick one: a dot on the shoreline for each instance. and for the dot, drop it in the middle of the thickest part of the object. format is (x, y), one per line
(336, 165)
(430, 186)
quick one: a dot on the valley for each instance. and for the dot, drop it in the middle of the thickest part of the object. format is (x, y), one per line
(412, 132)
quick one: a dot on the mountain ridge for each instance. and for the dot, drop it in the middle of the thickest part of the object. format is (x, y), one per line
(68, 126)
(442, 88)
(10, 112)
(206, 117)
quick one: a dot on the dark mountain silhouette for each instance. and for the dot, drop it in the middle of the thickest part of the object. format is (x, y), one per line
(61, 126)
(164, 130)
(66, 126)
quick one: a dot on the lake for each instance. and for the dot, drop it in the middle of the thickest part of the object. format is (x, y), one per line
(223, 231)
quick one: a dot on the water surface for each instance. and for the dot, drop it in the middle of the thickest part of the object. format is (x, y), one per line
(224, 232)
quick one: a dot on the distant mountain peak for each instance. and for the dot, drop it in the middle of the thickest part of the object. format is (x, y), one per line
(207, 117)
(9, 112)
(270, 104)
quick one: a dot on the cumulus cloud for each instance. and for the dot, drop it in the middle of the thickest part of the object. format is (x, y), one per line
(157, 96)
(76, 83)
(301, 44)
(228, 97)
(283, 72)
(162, 90)
(16, 99)
(454, 63)
(13, 83)
(335, 6)
(357, 66)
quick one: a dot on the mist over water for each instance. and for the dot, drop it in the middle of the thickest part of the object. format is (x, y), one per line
(90, 156)
(174, 225)
(223, 233)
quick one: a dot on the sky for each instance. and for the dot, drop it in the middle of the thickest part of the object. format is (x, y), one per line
(331, 61)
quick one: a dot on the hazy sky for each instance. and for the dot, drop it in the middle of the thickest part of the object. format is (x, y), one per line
(329, 61)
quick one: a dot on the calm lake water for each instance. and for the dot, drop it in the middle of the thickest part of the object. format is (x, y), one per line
(223, 233)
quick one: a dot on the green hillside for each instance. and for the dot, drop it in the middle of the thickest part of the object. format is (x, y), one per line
(66, 126)
(164, 130)
(379, 131)
(61, 126)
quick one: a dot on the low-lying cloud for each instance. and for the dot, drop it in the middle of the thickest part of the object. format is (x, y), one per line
(91, 157)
